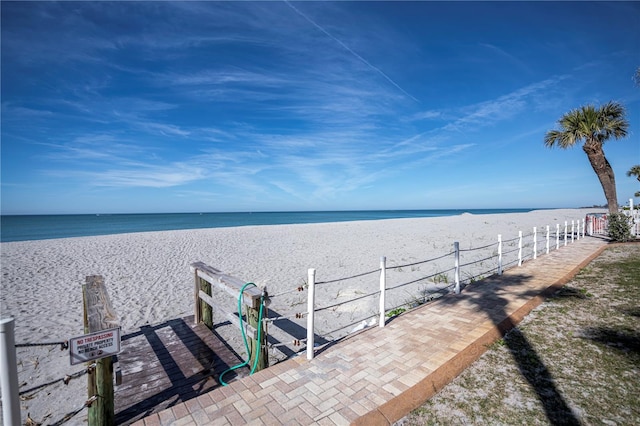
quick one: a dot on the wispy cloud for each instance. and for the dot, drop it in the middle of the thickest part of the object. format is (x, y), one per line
(492, 111)
(224, 77)
(505, 55)
(146, 176)
(348, 49)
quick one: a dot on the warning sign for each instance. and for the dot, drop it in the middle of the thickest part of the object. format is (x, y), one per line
(94, 346)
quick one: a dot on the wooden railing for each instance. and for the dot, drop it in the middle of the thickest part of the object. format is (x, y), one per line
(206, 278)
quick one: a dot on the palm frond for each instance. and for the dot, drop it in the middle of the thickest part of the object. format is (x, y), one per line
(589, 124)
(634, 171)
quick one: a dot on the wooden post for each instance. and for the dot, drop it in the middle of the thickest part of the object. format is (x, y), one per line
(197, 315)
(99, 315)
(206, 311)
(257, 347)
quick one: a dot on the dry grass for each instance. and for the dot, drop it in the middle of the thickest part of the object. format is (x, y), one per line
(573, 360)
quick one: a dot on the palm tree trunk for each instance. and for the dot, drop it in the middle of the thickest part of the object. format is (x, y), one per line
(604, 171)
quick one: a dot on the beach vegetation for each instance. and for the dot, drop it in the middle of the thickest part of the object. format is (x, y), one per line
(476, 278)
(593, 126)
(619, 227)
(441, 278)
(395, 312)
(495, 345)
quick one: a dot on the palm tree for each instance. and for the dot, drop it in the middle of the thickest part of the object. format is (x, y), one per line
(635, 171)
(594, 126)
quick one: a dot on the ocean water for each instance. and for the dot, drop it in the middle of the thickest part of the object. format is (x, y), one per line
(42, 227)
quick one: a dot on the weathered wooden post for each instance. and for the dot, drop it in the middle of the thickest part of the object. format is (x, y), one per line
(258, 346)
(204, 311)
(98, 316)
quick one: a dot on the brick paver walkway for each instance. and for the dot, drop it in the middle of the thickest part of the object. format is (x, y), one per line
(377, 376)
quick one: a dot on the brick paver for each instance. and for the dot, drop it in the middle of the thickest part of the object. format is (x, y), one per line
(405, 363)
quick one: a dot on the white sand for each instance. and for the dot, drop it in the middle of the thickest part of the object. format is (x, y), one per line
(148, 278)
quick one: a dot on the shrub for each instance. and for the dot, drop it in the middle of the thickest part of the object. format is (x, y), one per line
(395, 312)
(619, 227)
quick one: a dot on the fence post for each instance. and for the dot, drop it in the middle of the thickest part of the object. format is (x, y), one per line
(535, 242)
(99, 315)
(519, 248)
(310, 308)
(499, 254)
(547, 249)
(634, 219)
(456, 274)
(557, 236)
(9, 376)
(583, 230)
(197, 314)
(573, 230)
(565, 232)
(205, 310)
(258, 347)
(383, 286)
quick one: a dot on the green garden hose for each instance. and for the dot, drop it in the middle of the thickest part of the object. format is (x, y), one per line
(244, 336)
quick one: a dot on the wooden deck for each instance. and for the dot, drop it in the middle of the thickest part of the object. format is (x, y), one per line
(165, 364)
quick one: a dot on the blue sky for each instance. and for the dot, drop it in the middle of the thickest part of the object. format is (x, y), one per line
(278, 106)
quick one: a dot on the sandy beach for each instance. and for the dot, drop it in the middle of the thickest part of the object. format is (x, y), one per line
(149, 280)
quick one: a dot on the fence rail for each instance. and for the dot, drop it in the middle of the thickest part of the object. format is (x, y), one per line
(358, 303)
(484, 260)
